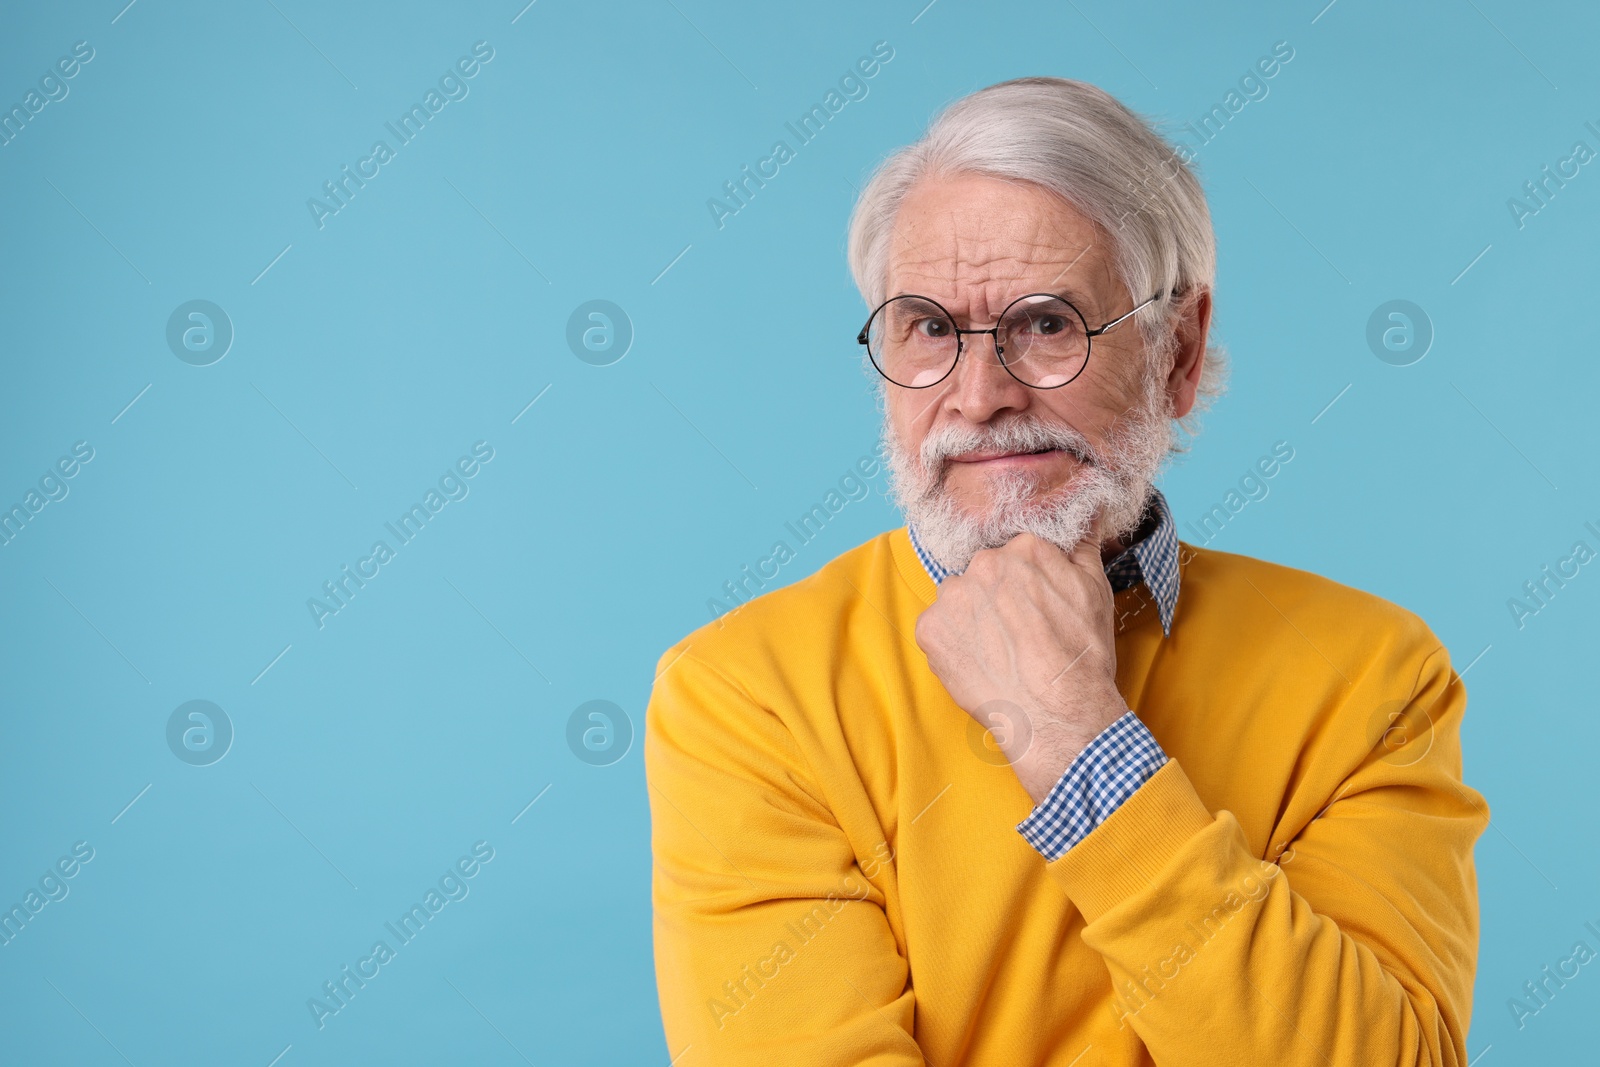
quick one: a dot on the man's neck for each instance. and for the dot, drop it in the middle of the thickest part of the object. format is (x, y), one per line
(1110, 550)
(1116, 546)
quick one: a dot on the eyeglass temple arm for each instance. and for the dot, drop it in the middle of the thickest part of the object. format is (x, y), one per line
(1119, 318)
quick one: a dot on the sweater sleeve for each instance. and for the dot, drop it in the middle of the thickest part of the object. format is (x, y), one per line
(1358, 947)
(771, 940)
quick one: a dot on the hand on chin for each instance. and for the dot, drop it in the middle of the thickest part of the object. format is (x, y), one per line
(1031, 626)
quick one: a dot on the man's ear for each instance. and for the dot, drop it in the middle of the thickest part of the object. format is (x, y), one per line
(1188, 359)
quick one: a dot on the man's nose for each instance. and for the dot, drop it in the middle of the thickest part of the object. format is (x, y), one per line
(982, 387)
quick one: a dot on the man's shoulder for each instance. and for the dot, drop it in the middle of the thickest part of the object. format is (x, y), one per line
(805, 614)
(1323, 611)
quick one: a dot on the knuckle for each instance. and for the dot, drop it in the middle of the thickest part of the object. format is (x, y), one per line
(1030, 540)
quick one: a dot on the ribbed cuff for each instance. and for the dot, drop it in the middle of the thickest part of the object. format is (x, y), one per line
(1134, 845)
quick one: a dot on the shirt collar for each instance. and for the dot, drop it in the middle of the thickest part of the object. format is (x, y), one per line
(1151, 559)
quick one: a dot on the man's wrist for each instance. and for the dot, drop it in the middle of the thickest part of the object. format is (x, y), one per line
(1055, 745)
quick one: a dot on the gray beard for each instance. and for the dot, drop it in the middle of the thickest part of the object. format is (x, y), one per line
(1115, 481)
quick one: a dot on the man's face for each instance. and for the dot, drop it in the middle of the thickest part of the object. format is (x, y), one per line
(964, 453)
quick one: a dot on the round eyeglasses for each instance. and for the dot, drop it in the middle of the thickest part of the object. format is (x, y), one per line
(1041, 339)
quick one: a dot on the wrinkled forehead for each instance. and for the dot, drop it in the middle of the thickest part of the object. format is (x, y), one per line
(975, 244)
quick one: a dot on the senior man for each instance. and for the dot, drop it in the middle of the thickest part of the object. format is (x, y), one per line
(1029, 781)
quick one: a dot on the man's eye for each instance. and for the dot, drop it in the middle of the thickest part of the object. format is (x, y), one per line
(932, 328)
(1049, 324)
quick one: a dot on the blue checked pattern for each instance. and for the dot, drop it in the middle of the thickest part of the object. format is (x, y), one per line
(1114, 765)
(1124, 755)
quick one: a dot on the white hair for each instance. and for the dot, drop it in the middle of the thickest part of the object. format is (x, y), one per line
(1079, 142)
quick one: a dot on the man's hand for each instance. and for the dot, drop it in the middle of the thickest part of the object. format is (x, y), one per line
(1024, 642)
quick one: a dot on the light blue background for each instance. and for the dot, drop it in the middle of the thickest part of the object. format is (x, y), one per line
(432, 309)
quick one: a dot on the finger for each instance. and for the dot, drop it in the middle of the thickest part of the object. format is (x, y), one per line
(1087, 550)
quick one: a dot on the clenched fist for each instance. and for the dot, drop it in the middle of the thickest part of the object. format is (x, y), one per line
(1028, 628)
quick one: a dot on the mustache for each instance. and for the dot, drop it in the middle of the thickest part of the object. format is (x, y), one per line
(1015, 435)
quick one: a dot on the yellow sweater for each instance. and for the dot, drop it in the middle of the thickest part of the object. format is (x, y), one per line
(838, 878)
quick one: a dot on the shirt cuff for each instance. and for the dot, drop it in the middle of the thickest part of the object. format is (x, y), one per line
(1108, 771)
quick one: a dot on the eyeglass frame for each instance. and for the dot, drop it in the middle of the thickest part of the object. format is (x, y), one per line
(994, 334)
